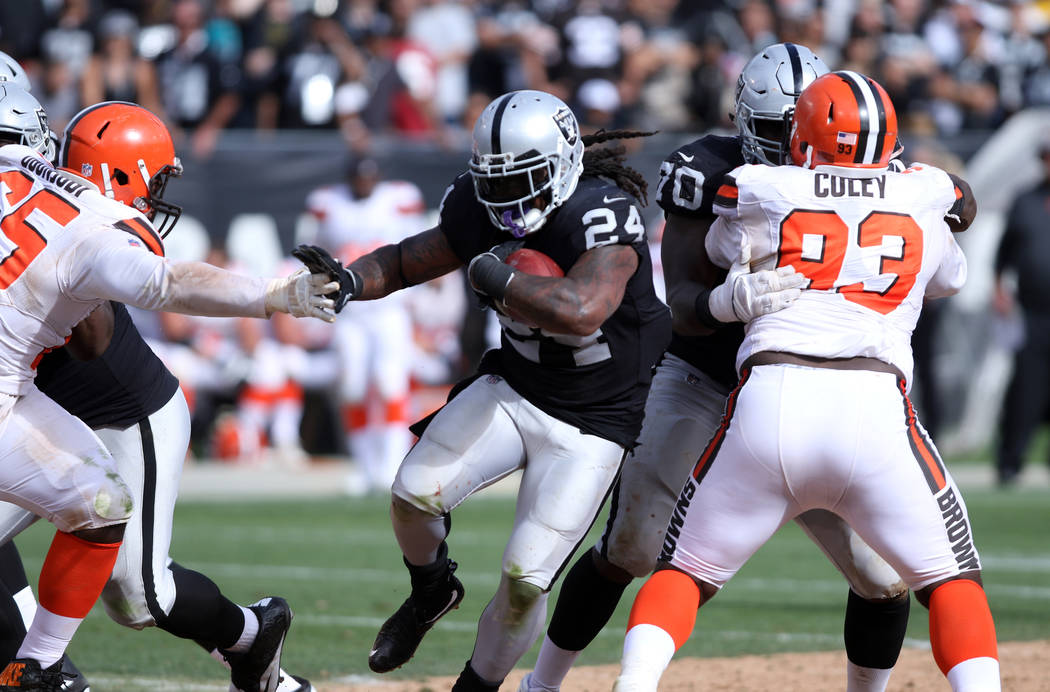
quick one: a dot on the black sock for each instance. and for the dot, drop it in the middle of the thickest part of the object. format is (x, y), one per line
(874, 630)
(12, 580)
(201, 612)
(585, 604)
(469, 681)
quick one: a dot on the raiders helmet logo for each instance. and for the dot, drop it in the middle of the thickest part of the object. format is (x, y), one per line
(566, 122)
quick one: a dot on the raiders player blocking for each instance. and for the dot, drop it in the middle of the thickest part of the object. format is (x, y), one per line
(76, 249)
(562, 400)
(689, 391)
(820, 418)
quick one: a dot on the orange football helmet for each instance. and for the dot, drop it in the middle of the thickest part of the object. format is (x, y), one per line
(128, 153)
(844, 119)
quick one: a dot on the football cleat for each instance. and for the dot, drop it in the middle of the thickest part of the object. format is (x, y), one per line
(259, 668)
(401, 634)
(26, 675)
(293, 683)
(74, 679)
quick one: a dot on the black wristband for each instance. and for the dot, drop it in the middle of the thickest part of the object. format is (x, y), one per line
(702, 307)
(358, 284)
(490, 276)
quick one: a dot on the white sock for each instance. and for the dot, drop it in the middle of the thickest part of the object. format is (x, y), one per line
(251, 628)
(975, 675)
(48, 637)
(647, 650)
(26, 605)
(861, 679)
(552, 666)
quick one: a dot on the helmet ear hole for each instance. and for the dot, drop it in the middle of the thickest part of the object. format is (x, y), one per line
(120, 176)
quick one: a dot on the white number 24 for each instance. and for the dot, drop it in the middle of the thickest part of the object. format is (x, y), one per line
(601, 227)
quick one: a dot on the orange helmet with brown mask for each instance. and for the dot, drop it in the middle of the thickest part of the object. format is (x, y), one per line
(128, 153)
(844, 119)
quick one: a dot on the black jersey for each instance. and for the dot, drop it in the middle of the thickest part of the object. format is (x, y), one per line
(598, 382)
(119, 388)
(689, 179)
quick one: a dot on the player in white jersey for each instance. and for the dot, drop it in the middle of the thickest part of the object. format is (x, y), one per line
(68, 249)
(821, 417)
(375, 344)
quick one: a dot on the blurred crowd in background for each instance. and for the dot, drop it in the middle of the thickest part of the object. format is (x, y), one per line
(422, 70)
(425, 68)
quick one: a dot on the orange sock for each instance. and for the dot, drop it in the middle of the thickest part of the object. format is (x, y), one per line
(961, 625)
(74, 573)
(669, 600)
(355, 417)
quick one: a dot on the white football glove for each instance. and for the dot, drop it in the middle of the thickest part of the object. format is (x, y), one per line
(746, 295)
(302, 294)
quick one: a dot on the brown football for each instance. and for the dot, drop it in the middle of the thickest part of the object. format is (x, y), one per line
(534, 262)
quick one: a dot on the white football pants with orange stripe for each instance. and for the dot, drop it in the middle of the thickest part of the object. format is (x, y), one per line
(798, 438)
(682, 413)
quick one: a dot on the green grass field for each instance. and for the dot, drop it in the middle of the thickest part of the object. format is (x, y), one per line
(337, 564)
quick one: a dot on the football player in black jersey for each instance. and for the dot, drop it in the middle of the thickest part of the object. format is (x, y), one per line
(561, 398)
(689, 390)
(108, 377)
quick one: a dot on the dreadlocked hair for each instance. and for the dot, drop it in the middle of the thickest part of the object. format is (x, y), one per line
(608, 162)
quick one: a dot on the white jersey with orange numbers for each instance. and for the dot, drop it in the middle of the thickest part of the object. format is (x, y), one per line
(872, 242)
(64, 248)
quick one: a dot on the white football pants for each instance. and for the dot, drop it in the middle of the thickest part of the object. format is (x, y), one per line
(800, 438)
(149, 456)
(682, 413)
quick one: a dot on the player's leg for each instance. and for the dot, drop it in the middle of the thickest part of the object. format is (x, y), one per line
(18, 605)
(731, 503)
(52, 464)
(1024, 406)
(683, 410)
(903, 503)
(471, 443)
(877, 605)
(391, 336)
(148, 589)
(567, 477)
(13, 581)
(350, 340)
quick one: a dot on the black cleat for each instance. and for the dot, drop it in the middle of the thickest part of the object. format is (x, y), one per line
(259, 668)
(74, 679)
(26, 675)
(435, 591)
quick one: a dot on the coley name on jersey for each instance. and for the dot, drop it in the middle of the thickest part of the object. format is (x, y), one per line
(828, 185)
(42, 169)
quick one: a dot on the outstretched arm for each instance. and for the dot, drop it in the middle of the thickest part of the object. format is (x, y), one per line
(415, 260)
(103, 265)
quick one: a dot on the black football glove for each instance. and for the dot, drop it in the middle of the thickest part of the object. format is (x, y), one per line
(319, 261)
(489, 275)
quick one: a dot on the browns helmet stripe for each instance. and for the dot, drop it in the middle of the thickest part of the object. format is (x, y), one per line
(872, 113)
(796, 67)
(497, 122)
